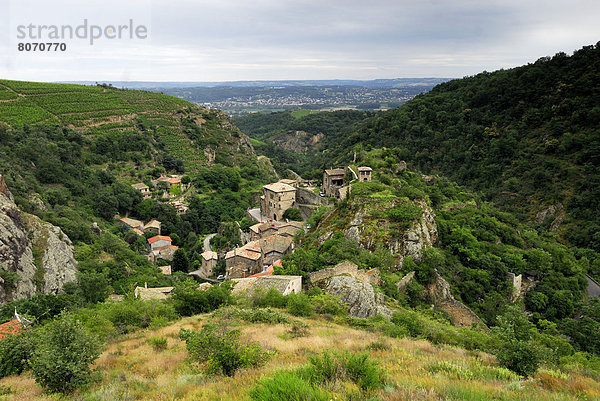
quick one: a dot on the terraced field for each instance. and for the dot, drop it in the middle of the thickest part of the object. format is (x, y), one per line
(98, 110)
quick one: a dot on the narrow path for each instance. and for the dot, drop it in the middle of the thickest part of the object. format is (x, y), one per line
(207, 242)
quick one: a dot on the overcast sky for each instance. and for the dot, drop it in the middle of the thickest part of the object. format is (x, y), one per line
(228, 40)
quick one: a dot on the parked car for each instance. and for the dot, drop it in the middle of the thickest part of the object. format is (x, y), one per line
(221, 277)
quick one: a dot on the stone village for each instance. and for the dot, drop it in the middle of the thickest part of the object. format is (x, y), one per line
(272, 237)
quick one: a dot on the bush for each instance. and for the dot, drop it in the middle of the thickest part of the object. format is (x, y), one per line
(158, 343)
(62, 354)
(111, 318)
(299, 305)
(293, 214)
(189, 300)
(329, 367)
(222, 350)
(287, 386)
(409, 320)
(363, 371)
(272, 298)
(517, 349)
(15, 351)
(328, 304)
(253, 315)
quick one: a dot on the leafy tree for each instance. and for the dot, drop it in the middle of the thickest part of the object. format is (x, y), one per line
(517, 349)
(62, 354)
(180, 261)
(293, 214)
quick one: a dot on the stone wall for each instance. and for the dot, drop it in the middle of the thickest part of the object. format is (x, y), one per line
(306, 197)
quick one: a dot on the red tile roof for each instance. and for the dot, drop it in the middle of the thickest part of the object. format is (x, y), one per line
(9, 328)
(158, 238)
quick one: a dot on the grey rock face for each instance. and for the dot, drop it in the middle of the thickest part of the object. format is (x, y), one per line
(421, 234)
(361, 298)
(20, 235)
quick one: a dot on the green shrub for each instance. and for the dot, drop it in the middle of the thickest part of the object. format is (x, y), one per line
(300, 305)
(329, 367)
(15, 351)
(287, 386)
(189, 300)
(158, 343)
(253, 315)
(272, 298)
(409, 320)
(293, 214)
(222, 350)
(363, 371)
(111, 318)
(323, 369)
(328, 304)
(62, 354)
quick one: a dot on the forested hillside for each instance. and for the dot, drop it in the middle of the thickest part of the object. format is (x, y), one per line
(69, 154)
(527, 137)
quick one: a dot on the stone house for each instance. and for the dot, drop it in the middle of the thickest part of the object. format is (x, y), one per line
(159, 241)
(209, 263)
(274, 247)
(242, 262)
(132, 224)
(144, 189)
(364, 174)
(153, 226)
(289, 229)
(164, 252)
(276, 199)
(333, 180)
(145, 293)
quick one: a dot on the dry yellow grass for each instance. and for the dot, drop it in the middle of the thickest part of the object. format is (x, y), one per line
(132, 369)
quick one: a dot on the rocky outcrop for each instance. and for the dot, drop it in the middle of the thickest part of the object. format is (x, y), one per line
(345, 268)
(556, 212)
(362, 300)
(298, 141)
(354, 287)
(421, 234)
(39, 253)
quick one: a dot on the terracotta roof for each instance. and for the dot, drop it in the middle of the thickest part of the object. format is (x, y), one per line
(253, 246)
(255, 227)
(138, 231)
(278, 263)
(152, 240)
(132, 222)
(365, 169)
(10, 328)
(243, 253)
(153, 224)
(208, 255)
(139, 186)
(279, 187)
(335, 171)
